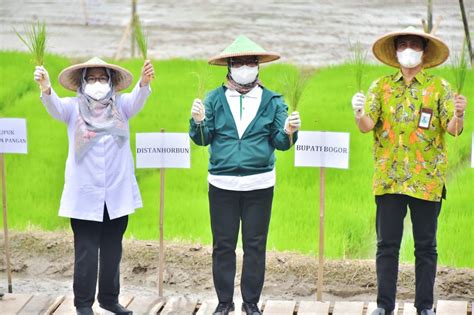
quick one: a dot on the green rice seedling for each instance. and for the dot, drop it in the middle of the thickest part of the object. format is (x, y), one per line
(359, 62)
(35, 40)
(296, 83)
(350, 215)
(201, 75)
(459, 67)
(140, 37)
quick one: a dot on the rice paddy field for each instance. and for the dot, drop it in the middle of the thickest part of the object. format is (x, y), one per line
(35, 180)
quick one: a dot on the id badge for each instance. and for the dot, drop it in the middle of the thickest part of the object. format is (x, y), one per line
(425, 118)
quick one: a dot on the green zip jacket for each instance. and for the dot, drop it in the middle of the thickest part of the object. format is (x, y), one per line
(254, 152)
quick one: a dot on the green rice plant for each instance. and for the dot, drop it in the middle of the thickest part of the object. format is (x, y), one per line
(359, 62)
(140, 37)
(350, 213)
(35, 40)
(459, 67)
(296, 83)
(202, 75)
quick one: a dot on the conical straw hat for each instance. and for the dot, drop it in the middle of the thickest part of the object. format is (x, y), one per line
(436, 51)
(243, 46)
(71, 77)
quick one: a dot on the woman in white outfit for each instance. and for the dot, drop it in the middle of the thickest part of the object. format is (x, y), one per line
(100, 189)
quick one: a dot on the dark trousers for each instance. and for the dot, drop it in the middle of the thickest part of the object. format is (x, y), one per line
(228, 209)
(91, 240)
(391, 210)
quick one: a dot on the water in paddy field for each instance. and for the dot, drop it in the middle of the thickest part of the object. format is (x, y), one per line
(304, 32)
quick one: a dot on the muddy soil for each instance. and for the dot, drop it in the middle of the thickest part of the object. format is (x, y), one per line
(43, 263)
(304, 32)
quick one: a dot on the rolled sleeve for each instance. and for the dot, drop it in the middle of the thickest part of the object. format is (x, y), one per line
(373, 105)
(58, 108)
(445, 104)
(131, 103)
(280, 139)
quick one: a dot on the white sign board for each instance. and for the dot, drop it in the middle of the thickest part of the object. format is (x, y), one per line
(13, 135)
(163, 150)
(322, 149)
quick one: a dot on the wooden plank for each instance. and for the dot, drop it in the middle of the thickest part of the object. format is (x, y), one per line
(313, 308)
(67, 306)
(41, 304)
(275, 307)
(53, 307)
(451, 307)
(12, 303)
(208, 306)
(179, 306)
(409, 309)
(146, 305)
(372, 306)
(348, 308)
(124, 300)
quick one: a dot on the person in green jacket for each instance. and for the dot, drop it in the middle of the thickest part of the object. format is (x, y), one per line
(243, 122)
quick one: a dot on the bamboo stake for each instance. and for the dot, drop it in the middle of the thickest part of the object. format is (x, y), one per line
(5, 225)
(466, 31)
(436, 25)
(322, 188)
(84, 9)
(430, 16)
(126, 32)
(162, 210)
(425, 27)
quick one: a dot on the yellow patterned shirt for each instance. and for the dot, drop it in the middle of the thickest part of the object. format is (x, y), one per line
(410, 160)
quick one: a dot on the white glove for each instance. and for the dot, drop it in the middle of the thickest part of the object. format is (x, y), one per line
(292, 123)
(197, 111)
(42, 77)
(358, 103)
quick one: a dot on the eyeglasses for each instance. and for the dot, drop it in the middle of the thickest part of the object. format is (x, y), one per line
(101, 79)
(401, 45)
(240, 63)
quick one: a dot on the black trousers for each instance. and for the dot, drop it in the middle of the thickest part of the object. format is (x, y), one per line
(228, 209)
(91, 241)
(391, 210)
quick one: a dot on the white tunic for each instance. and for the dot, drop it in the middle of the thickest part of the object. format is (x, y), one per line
(106, 172)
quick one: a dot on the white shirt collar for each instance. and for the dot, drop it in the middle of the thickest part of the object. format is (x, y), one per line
(253, 93)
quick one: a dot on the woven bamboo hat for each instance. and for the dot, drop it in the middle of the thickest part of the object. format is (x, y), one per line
(436, 51)
(243, 46)
(70, 77)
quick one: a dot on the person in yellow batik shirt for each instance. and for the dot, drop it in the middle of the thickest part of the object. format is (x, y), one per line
(409, 112)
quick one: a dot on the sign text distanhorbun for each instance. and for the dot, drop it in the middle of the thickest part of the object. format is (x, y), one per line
(163, 150)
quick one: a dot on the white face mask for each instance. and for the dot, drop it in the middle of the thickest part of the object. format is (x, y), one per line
(244, 74)
(97, 90)
(409, 58)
